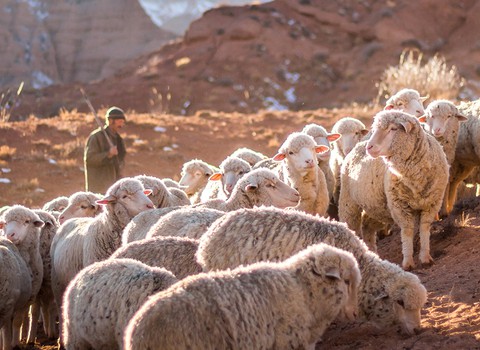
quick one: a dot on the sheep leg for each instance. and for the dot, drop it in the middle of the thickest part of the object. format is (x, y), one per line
(17, 327)
(32, 330)
(49, 317)
(407, 247)
(6, 335)
(424, 254)
(457, 175)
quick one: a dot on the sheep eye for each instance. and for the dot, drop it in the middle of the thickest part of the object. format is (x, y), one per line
(240, 173)
(27, 222)
(291, 152)
(271, 185)
(124, 196)
(393, 129)
(399, 103)
(83, 207)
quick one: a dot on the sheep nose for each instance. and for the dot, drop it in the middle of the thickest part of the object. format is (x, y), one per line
(150, 206)
(369, 146)
(61, 219)
(11, 235)
(229, 187)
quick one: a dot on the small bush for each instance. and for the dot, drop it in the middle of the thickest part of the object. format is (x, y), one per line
(433, 78)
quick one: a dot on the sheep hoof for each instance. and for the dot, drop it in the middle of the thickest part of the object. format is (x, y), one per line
(427, 261)
(408, 265)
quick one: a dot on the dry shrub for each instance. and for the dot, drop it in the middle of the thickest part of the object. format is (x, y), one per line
(73, 148)
(29, 185)
(7, 152)
(66, 164)
(433, 78)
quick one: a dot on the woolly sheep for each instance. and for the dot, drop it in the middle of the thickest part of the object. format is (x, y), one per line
(15, 293)
(467, 152)
(139, 226)
(163, 196)
(258, 187)
(221, 183)
(248, 155)
(81, 204)
(176, 254)
(352, 131)
(185, 222)
(103, 297)
(195, 174)
(56, 205)
(323, 137)
(387, 294)
(408, 101)
(403, 173)
(286, 305)
(124, 199)
(22, 227)
(45, 301)
(298, 155)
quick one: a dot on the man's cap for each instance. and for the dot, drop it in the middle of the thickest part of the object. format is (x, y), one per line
(115, 113)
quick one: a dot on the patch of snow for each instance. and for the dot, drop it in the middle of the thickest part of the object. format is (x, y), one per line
(167, 149)
(292, 78)
(271, 104)
(6, 170)
(4, 180)
(40, 80)
(290, 95)
(175, 145)
(159, 129)
(52, 161)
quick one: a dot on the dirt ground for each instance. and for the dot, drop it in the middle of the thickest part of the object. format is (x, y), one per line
(42, 158)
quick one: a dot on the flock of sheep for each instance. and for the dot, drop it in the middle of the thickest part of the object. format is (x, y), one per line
(259, 253)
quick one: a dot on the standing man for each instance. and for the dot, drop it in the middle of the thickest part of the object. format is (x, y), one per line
(103, 164)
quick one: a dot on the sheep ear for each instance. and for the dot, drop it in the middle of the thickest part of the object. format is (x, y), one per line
(334, 137)
(321, 149)
(461, 118)
(407, 126)
(388, 107)
(279, 157)
(333, 273)
(424, 98)
(422, 119)
(38, 223)
(382, 295)
(251, 188)
(2, 224)
(215, 177)
(148, 192)
(364, 132)
(107, 200)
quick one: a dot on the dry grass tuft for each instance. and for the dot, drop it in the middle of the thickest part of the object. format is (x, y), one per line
(7, 152)
(433, 78)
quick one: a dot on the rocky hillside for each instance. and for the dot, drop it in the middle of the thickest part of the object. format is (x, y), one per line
(285, 54)
(59, 42)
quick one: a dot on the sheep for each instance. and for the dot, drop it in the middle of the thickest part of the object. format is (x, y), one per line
(195, 174)
(248, 155)
(103, 297)
(258, 187)
(185, 222)
(15, 293)
(22, 227)
(403, 173)
(408, 101)
(176, 254)
(467, 151)
(45, 301)
(352, 131)
(139, 226)
(56, 205)
(268, 305)
(387, 295)
(298, 155)
(220, 184)
(323, 137)
(163, 196)
(81, 204)
(442, 120)
(170, 183)
(124, 199)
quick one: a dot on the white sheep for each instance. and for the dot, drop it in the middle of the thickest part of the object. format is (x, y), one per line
(45, 302)
(56, 204)
(298, 155)
(139, 226)
(249, 155)
(15, 293)
(163, 196)
(398, 176)
(124, 200)
(22, 227)
(221, 183)
(258, 187)
(352, 131)
(467, 152)
(81, 204)
(268, 305)
(408, 101)
(195, 174)
(387, 295)
(103, 297)
(176, 254)
(185, 222)
(323, 137)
